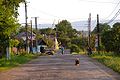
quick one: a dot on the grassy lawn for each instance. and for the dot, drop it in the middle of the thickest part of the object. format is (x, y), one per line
(108, 59)
(15, 60)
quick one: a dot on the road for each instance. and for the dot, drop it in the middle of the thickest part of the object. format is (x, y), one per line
(60, 67)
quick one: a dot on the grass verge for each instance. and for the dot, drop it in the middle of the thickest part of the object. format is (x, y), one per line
(15, 60)
(108, 59)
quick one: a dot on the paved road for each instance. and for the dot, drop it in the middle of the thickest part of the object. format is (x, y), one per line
(60, 67)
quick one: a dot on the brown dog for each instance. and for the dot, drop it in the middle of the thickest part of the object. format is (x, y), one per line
(77, 62)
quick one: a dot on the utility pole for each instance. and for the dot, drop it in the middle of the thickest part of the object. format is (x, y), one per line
(36, 40)
(89, 29)
(98, 34)
(83, 45)
(31, 38)
(26, 27)
(57, 29)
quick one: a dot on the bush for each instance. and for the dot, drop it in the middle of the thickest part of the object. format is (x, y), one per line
(15, 60)
(108, 59)
(74, 48)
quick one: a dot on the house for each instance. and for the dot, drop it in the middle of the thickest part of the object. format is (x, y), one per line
(41, 46)
(22, 36)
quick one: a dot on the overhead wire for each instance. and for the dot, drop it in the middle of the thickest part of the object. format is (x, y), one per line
(117, 4)
(98, 1)
(115, 16)
(43, 12)
(113, 10)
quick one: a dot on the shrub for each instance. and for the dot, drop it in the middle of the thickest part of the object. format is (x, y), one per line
(74, 48)
(108, 59)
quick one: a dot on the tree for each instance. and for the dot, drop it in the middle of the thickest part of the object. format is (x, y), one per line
(107, 40)
(103, 29)
(47, 31)
(111, 39)
(74, 48)
(116, 37)
(65, 32)
(8, 21)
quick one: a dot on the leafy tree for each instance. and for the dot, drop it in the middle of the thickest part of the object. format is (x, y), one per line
(14, 42)
(8, 20)
(80, 42)
(74, 48)
(92, 43)
(103, 29)
(47, 31)
(65, 32)
(107, 40)
(116, 37)
(49, 42)
(111, 38)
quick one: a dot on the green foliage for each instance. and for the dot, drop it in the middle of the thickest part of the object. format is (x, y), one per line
(64, 28)
(109, 59)
(8, 20)
(116, 37)
(65, 32)
(16, 60)
(74, 48)
(65, 41)
(111, 39)
(14, 43)
(49, 42)
(103, 27)
(92, 43)
(79, 42)
(47, 31)
(21, 43)
(107, 40)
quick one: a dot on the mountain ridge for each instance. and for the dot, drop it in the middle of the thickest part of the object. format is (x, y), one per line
(78, 25)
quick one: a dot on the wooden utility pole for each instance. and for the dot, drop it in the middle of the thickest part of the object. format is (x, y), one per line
(26, 48)
(31, 38)
(98, 34)
(57, 29)
(36, 40)
(89, 29)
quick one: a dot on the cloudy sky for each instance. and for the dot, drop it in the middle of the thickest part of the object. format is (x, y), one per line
(72, 10)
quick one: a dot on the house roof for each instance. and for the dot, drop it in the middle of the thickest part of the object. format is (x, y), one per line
(23, 34)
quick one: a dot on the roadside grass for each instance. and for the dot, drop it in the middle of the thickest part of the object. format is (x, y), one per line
(15, 60)
(109, 59)
(79, 53)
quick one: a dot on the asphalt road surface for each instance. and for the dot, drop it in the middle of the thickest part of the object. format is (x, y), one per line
(60, 67)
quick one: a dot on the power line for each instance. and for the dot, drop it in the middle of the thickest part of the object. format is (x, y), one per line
(98, 2)
(113, 9)
(114, 17)
(46, 13)
(59, 17)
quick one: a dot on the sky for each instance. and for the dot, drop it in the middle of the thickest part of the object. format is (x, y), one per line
(49, 11)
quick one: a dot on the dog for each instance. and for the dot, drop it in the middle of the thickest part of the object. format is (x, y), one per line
(77, 62)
